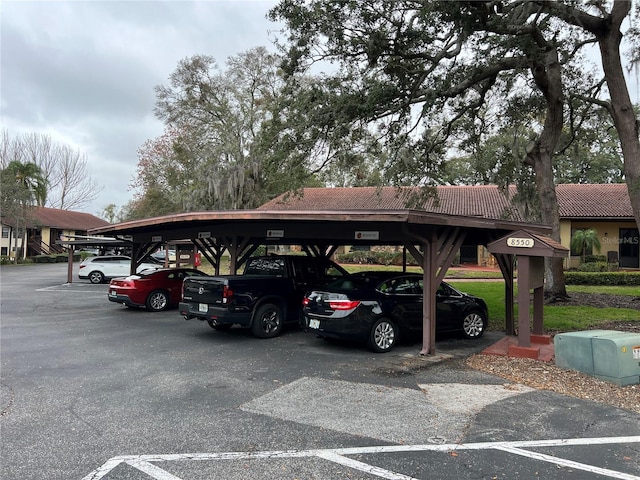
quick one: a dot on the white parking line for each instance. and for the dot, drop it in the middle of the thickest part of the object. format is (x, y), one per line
(143, 462)
(74, 288)
(568, 463)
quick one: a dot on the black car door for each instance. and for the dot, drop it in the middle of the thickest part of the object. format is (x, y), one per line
(447, 308)
(403, 301)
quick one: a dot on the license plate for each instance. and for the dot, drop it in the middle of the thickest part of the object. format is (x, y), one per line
(203, 307)
(314, 324)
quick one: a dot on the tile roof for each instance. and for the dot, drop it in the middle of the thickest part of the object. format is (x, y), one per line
(63, 219)
(487, 201)
(605, 200)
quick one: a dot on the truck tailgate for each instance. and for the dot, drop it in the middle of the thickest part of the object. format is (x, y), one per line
(204, 290)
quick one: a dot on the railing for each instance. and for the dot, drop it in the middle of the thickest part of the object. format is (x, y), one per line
(41, 248)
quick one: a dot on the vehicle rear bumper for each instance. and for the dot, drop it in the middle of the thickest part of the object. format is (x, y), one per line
(124, 300)
(334, 328)
(216, 315)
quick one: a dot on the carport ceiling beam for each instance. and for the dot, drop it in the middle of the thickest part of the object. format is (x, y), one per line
(211, 250)
(448, 248)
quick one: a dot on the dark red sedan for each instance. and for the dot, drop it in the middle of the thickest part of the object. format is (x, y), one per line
(154, 290)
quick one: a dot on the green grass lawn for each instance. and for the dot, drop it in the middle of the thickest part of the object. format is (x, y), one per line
(556, 317)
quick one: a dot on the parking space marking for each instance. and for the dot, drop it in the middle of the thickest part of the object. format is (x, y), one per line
(339, 455)
(72, 288)
(568, 463)
(364, 467)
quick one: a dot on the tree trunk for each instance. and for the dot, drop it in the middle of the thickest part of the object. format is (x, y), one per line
(624, 118)
(547, 76)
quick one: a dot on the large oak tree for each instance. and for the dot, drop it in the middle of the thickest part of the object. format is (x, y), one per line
(415, 69)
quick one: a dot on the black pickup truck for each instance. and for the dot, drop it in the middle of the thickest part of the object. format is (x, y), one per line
(267, 295)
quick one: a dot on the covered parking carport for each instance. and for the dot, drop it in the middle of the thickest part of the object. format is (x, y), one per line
(433, 239)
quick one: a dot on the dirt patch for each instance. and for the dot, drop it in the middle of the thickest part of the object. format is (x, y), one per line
(600, 300)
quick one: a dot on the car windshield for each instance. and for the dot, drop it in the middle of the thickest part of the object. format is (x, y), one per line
(351, 283)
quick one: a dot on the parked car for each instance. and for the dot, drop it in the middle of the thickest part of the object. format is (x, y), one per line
(105, 267)
(154, 290)
(267, 295)
(379, 307)
(161, 255)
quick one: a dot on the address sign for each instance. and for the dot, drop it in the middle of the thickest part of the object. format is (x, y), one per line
(520, 242)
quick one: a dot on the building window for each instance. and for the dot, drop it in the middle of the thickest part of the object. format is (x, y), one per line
(4, 251)
(5, 232)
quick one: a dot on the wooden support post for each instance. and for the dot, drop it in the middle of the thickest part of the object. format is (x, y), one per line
(428, 300)
(524, 327)
(70, 265)
(538, 306)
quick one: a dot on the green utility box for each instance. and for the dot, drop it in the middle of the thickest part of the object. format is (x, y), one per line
(606, 354)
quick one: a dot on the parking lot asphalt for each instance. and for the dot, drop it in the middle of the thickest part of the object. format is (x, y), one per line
(92, 390)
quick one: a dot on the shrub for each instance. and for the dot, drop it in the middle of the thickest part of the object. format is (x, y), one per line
(374, 258)
(602, 278)
(61, 258)
(593, 267)
(595, 258)
(44, 259)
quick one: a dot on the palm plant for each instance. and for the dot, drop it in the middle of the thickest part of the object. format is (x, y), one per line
(584, 240)
(29, 176)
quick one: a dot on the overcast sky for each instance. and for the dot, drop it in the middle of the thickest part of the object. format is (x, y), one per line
(84, 71)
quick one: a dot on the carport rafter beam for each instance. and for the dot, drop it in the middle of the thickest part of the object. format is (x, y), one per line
(319, 249)
(448, 248)
(212, 251)
(140, 251)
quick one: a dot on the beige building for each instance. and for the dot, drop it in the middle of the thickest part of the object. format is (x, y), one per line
(44, 227)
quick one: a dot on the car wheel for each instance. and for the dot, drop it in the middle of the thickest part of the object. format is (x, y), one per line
(267, 322)
(224, 326)
(383, 336)
(157, 301)
(473, 325)
(96, 277)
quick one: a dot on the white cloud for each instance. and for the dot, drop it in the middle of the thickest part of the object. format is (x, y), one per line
(84, 71)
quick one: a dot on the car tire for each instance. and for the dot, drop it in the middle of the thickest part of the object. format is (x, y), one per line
(267, 321)
(96, 277)
(157, 301)
(383, 335)
(473, 325)
(222, 327)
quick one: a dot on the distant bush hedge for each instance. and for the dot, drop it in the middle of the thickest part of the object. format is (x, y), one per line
(602, 278)
(44, 259)
(374, 258)
(595, 258)
(593, 267)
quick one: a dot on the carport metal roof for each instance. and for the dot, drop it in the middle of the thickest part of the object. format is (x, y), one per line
(432, 238)
(309, 226)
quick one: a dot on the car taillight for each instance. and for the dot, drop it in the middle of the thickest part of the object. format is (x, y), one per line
(227, 293)
(306, 301)
(343, 304)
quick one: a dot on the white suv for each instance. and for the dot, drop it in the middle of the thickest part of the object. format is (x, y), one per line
(101, 268)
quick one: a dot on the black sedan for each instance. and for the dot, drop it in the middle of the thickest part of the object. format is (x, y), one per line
(378, 307)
